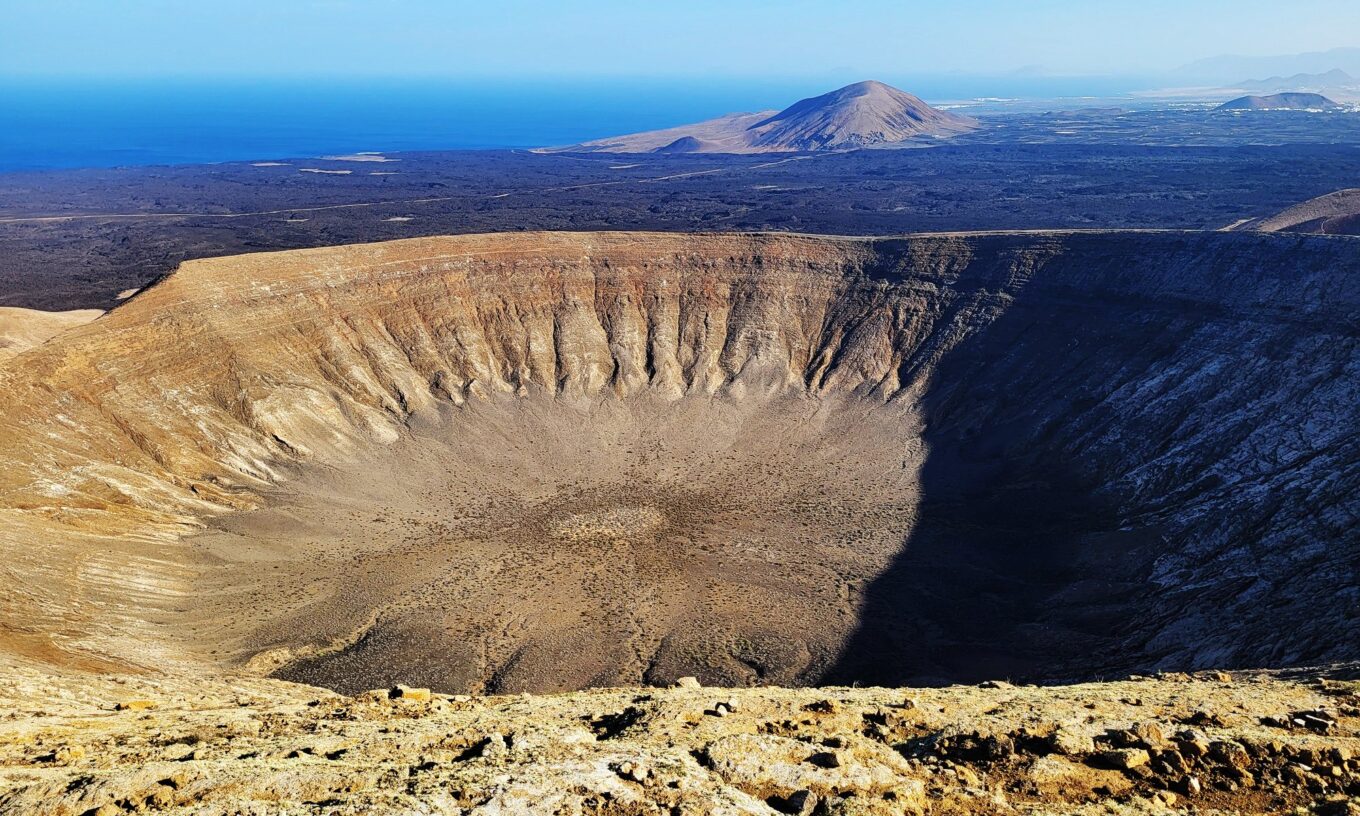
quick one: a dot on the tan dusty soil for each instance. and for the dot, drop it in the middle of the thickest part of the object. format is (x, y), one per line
(223, 745)
(22, 329)
(647, 542)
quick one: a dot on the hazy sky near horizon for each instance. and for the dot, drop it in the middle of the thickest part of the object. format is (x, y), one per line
(634, 38)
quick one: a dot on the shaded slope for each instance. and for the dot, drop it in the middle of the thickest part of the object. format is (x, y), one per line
(1336, 213)
(1143, 496)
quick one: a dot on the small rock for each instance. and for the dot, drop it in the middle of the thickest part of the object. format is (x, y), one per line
(1202, 717)
(687, 683)
(1192, 743)
(995, 684)
(1243, 777)
(64, 755)
(1229, 753)
(135, 705)
(633, 771)
(1148, 735)
(1069, 742)
(719, 710)
(161, 798)
(1294, 774)
(798, 803)
(1166, 797)
(1174, 762)
(824, 759)
(409, 694)
(1125, 758)
(1190, 786)
(1318, 721)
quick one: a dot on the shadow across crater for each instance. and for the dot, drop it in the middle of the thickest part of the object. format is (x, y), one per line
(1094, 498)
(992, 580)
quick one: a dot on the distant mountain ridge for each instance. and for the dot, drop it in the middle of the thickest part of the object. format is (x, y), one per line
(865, 114)
(1335, 84)
(1232, 67)
(1300, 82)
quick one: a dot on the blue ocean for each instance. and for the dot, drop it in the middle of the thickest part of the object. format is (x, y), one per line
(69, 123)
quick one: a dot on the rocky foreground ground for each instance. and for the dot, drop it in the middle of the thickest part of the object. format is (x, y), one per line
(105, 744)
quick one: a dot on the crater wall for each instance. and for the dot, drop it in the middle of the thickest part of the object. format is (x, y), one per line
(546, 460)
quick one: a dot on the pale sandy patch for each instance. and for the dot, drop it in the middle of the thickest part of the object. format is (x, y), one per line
(360, 157)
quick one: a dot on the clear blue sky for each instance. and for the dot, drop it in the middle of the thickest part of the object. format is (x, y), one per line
(677, 38)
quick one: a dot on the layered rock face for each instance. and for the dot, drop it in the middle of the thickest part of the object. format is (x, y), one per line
(543, 461)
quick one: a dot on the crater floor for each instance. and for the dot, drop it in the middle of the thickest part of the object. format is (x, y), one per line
(522, 545)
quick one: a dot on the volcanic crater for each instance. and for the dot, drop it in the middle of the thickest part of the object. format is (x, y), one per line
(543, 461)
